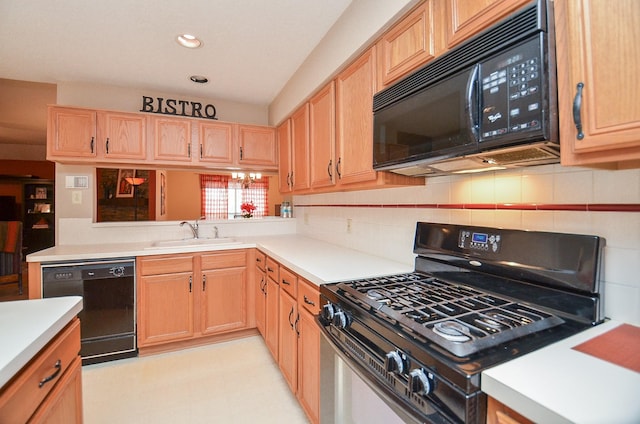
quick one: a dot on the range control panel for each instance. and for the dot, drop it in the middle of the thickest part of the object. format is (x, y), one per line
(484, 242)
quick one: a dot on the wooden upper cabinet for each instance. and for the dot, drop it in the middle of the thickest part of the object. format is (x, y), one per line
(122, 135)
(216, 142)
(172, 139)
(71, 133)
(257, 146)
(89, 135)
(410, 43)
(354, 120)
(300, 148)
(322, 136)
(465, 18)
(285, 165)
(598, 46)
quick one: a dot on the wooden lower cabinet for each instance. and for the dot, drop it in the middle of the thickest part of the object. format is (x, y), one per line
(260, 289)
(288, 339)
(308, 350)
(49, 388)
(271, 316)
(183, 297)
(223, 305)
(292, 302)
(499, 413)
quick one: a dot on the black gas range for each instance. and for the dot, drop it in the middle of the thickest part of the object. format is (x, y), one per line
(478, 297)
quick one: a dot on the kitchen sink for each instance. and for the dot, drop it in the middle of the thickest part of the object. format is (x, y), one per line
(193, 242)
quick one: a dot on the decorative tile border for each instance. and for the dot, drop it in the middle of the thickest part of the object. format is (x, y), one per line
(576, 207)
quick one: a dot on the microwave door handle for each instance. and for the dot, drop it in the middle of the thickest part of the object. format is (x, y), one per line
(471, 105)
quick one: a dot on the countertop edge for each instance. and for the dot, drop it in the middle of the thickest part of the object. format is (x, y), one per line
(64, 309)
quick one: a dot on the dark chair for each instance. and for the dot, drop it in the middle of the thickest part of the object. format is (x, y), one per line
(11, 253)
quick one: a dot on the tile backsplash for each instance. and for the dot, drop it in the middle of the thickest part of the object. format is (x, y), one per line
(544, 198)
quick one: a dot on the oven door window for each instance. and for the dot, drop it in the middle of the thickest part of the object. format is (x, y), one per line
(433, 123)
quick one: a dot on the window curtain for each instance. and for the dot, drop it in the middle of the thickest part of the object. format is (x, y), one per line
(214, 196)
(258, 193)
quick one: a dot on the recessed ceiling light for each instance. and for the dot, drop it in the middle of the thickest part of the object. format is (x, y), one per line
(199, 79)
(188, 41)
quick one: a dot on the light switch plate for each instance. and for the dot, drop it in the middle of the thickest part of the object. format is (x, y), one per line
(76, 197)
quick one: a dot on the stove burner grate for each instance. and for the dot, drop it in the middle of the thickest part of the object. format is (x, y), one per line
(459, 318)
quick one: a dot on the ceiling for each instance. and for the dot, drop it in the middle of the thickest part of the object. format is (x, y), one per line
(250, 49)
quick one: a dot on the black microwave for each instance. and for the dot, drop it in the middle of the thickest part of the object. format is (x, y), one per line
(490, 103)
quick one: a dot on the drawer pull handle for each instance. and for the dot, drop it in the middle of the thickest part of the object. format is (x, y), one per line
(270, 269)
(58, 367)
(309, 302)
(285, 282)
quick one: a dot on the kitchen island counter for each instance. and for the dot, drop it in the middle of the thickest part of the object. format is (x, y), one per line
(27, 327)
(559, 384)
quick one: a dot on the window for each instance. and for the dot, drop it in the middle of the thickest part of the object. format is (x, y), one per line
(222, 196)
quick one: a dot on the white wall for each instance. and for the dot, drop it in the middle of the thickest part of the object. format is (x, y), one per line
(388, 232)
(361, 23)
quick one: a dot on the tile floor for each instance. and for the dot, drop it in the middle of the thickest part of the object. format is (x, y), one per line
(231, 382)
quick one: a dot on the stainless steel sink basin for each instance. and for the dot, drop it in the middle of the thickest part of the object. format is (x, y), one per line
(194, 242)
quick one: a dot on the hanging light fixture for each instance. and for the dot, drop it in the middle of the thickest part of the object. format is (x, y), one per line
(245, 180)
(135, 182)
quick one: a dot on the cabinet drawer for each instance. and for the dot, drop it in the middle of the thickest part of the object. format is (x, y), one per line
(26, 392)
(272, 270)
(261, 260)
(165, 264)
(289, 281)
(220, 260)
(308, 296)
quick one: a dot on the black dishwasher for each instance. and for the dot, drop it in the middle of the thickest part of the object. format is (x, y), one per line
(108, 317)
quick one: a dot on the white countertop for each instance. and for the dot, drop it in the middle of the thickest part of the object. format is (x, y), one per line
(557, 384)
(317, 261)
(27, 326)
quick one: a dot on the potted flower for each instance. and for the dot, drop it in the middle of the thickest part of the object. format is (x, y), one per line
(247, 209)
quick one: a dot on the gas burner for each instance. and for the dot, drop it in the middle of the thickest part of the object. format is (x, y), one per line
(452, 331)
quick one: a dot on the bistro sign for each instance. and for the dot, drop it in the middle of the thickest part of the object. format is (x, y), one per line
(178, 107)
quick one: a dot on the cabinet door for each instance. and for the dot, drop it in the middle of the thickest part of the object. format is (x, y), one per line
(64, 403)
(411, 43)
(224, 300)
(216, 142)
(261, 299)
(165, 307)
(288, 344)
(257, 146)
(354, 121)
(598, 46)
(465, 18)
(285, 166)
(322, 136)
(309, 365)
(271, 317)
(71, 133)
(300, 148)
(122, 135)
(172, 139)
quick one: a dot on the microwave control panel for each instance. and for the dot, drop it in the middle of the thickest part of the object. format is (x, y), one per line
(511, 86)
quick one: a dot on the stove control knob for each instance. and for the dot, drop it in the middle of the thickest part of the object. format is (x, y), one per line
(420, 382)
(395, 361)
(340, 319)
(327, 311)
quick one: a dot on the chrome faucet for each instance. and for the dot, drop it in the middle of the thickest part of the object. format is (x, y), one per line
(215, 232)
(193, 227)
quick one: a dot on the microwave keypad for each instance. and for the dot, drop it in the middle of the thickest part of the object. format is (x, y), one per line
(512, 93)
